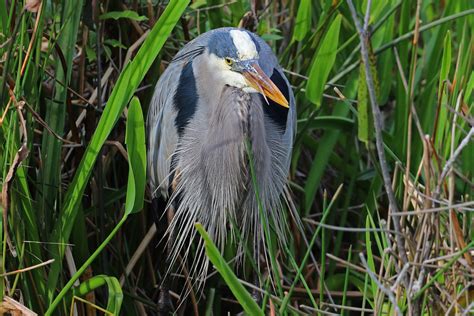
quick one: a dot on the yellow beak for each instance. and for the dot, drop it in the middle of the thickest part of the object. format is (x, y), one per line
(258, 80)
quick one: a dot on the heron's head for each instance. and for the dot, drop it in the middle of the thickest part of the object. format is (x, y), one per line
(233, 57)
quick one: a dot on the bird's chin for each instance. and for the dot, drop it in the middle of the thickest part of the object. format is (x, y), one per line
(248, 89)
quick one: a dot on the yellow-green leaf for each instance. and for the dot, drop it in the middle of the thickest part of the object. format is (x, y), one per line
(303, 20)
(323, 63)
(114, 291)
(136, 149)
(127, 14)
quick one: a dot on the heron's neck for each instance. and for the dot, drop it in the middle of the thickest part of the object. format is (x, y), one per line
(208, 86)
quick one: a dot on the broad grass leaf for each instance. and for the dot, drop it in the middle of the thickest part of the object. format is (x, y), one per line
(114, 291)
(136, 149)
(127, 14)
(323, 63)
(303, 20)
(114, 43)
(386, 62)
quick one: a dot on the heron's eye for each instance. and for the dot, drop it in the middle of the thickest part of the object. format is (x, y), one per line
(229, 61)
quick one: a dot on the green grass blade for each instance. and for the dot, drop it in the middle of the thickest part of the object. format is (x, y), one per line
(303, 20)
(114, 297)
(346, 279)
(135, 140)
(240, 293)
(127, 14)
(370, 255)
(323, 62)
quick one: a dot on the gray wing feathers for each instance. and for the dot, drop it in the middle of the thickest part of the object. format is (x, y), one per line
(162, 137)
(163, 134)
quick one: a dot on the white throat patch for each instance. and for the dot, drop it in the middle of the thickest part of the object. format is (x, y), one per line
(245, 46)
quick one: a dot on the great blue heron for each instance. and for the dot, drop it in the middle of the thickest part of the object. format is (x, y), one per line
(222, 91)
